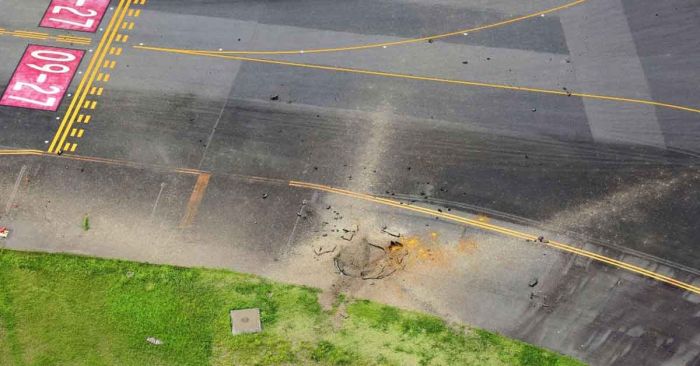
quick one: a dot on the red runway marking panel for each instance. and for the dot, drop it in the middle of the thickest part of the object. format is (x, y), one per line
(78, 15)
(42, 77)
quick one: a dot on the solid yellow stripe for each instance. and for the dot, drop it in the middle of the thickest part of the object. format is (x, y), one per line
(407, 41)
(101, 55)
(427, 78)
(505, 231)
(81, 85)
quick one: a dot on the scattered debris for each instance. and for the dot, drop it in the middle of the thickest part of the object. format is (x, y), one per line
(264, 195)
(275, 97)
(4, 232)
(465, 62)
(393, 233)
(541, 239)
(534, 109)
(154, 341)
(348, 235)
(245, 321)
(533, 282)
(321, 251)
(129, 274)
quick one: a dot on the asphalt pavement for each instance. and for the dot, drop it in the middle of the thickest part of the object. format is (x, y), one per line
(578, 120)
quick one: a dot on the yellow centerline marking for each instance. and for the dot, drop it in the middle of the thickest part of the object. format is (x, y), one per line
(505, 231)
(428, 78)
(403, 42)
(89, 76)
(203, 178)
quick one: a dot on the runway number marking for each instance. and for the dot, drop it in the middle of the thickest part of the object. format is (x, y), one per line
(78, 15)
(42, 77)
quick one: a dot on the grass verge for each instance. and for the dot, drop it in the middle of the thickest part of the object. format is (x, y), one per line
(63, 309)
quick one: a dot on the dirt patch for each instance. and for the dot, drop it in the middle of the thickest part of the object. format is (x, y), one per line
(370, 261)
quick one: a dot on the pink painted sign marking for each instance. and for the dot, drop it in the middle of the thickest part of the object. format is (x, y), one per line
(78, 15)
(42, 77)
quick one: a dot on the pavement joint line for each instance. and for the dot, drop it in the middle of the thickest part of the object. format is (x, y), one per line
(430, 78)
(397, 204)
(505, 231)
(405, 41)
(78, 95)
(105, 45)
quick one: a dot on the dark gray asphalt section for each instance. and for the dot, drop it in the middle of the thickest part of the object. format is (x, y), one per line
(621, 175)
(586, 309)
(387, 18)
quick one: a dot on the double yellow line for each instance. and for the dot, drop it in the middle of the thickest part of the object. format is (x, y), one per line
(505, 231)
(88, 78)
(45, 36)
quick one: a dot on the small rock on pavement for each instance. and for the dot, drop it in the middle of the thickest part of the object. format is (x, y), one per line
(154, 341)
(533, 282)
(393, 233)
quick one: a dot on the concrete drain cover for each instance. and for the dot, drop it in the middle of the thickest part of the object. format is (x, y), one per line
(245, 321)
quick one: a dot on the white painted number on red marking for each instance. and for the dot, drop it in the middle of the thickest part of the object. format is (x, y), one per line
(79, 15)
(50, 66)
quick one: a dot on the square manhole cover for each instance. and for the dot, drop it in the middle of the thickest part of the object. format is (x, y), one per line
(245, 321)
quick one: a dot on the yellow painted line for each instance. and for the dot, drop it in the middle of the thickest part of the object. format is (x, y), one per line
(137, 13)
(93, 104)
(406, 41)
(118, 38)
(196, 197)
(125, 38)
(106, 78)
(131, 12)
(32, 33)
(81, 117)
(98, 57)
(112, 64)
(45, 36)
(93, 90)
(80, 133)
(78, 97)
(105, 64)
(111, 50)
(73, 132)
(30, 36)
(505, 231)
(131, 25)
(124, 25)
(67, 146)
(73, 147)
(100, 76)
(433, 79)
(203, 180)
(99, 91)
(87, 118)
(118, 51)
(87, 104)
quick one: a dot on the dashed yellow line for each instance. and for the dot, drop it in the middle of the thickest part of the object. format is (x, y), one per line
(87, 79)
(93, 73)
(462, 32)
(432, 79)
(503, 230)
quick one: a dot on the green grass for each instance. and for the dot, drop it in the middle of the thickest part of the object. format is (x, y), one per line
(70, 310)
